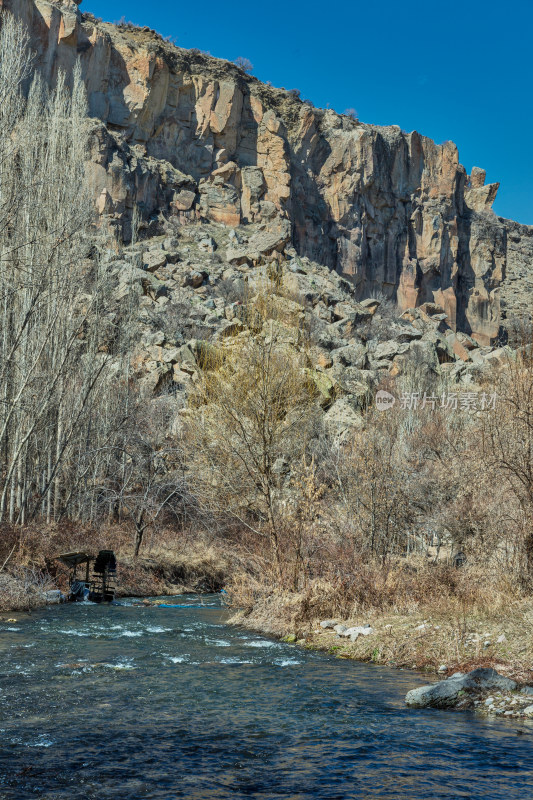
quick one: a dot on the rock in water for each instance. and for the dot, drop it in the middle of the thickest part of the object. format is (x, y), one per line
(460, 690)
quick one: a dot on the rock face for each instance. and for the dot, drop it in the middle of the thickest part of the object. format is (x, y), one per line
(180, 133)
(517, 288)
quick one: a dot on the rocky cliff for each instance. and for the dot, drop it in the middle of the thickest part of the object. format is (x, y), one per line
(178, 133)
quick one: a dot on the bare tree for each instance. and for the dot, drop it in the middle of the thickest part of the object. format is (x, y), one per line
(251, 413)
(53, 297)
(244, 63)
(150, 485)
(508, 447)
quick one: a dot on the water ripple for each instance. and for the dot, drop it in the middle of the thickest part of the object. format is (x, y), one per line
(131, 702)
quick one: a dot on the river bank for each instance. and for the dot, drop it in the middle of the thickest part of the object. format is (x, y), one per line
(429, 639)
(424, 641)
(421, 618)
(128, 702)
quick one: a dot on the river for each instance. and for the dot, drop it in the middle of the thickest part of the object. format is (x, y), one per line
(129, 702)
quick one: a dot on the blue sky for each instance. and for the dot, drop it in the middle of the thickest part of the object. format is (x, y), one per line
(454, 70)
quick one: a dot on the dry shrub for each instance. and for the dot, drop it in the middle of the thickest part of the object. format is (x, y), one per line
(36, 546)
(369, 589)
(23, 588)
(169, 570)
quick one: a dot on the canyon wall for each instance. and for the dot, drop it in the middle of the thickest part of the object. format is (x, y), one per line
(179, 132)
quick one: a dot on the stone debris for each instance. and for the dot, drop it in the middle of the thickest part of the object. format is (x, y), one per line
(352, 350)
(346, 631)
(359, 630)
(340, 630)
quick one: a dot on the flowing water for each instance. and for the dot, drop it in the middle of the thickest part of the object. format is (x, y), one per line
(137, 702)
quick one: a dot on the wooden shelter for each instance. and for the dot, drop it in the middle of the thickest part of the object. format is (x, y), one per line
(97, 588)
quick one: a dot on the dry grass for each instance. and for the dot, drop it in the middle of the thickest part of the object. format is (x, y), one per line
(422, 617)
(430, 639)
(22, 589)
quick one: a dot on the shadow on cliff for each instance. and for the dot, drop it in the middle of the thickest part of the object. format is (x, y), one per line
(465, 277)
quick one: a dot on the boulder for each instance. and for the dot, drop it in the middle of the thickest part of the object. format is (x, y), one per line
(460, 690)
(208, 244)
(458, 347)
(355, 632)
(500, 357)
(422, 321)
(194, 279)
(341, 418)
(405, 332)
(356, 313)
(371, 304)
(227, 328)
(325, 386)
(467, 341)
(386, 350)
(154, 259)
(355, 384)
(432, 309)
(241, 255)
(442, 347)
(351, 355)
(183, 200)
(260, 245)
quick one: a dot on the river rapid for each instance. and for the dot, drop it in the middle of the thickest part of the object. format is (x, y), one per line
(131, 702)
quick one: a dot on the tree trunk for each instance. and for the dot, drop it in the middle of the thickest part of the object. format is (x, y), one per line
(140, 527)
